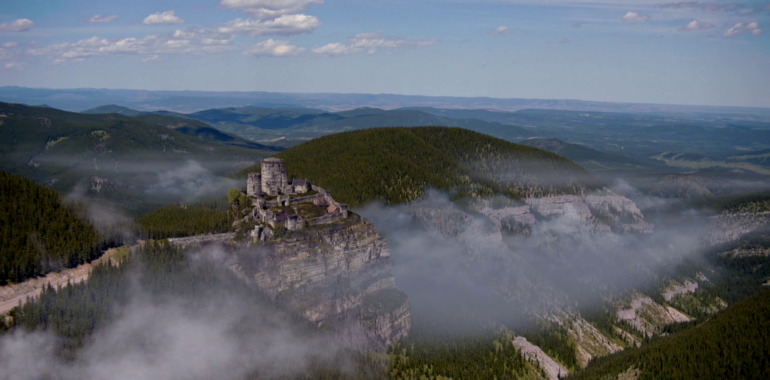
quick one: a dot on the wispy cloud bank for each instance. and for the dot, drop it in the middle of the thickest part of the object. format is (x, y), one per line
(696, 25)
(103, 19)
(741, 28)
(190, 41)
(500, 31)
(370, 43)
(286, 25)
(274, 48)
(268, 9)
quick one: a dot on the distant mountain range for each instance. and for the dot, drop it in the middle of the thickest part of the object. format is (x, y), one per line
(193, 101)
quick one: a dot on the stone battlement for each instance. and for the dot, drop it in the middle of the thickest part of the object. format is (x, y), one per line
(319, 208)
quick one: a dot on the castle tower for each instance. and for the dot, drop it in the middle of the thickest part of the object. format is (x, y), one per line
(274, 177)
(254, 185)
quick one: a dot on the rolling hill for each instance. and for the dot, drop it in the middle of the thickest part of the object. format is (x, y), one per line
(302, 124)
(115, 154)
(181, 123)
(112, 108)
(590, 159)
(397, 164)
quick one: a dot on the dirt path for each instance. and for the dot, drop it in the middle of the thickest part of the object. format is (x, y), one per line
(11, 295)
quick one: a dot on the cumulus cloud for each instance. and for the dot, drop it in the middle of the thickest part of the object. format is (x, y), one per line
(103, 19)
(274, 48)
(370, 43)
(741, 28)
(162, 18)
(696, 25)
(635, 16)
(19, 25)
(500, 31)
(284, 26)
(268, 9)
(152, 58)
(191, 41)
(10, 44)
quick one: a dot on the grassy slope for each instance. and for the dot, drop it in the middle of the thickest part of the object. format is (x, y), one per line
(734, 344)
(396, 164)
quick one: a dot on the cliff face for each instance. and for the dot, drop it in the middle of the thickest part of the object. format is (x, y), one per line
(339, 278)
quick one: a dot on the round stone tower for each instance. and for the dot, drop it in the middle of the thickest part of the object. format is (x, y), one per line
(274, 177)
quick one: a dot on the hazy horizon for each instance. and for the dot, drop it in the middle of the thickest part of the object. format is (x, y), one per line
(710, 53)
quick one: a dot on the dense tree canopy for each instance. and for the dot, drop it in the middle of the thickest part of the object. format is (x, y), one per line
(397, 164)
(38, 233)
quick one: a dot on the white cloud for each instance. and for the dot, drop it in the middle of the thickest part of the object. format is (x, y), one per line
(268, 9)
(500, 31)
(282, 26)
(19, 25)
(14, 65)
(153, 58)
(634, 16)
(371, 42)
(274, 48)
(696, 25)
(333, 49)
(10, 44)
(102, 19)
(164, 18)
(740, 28)
(191, 41)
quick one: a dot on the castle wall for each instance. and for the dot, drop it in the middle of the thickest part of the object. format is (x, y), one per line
(254, 185)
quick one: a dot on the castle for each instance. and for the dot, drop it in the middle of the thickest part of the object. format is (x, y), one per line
(294, 205)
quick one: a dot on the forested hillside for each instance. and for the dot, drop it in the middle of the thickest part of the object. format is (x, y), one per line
(177, 220)
(734, 344)
(157, 280)
(137, 163)
(39, 234)
(397, 164)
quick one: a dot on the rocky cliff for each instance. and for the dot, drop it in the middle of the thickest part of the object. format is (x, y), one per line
(338, 277)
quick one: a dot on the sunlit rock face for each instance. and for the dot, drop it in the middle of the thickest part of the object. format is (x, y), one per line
(338, 277)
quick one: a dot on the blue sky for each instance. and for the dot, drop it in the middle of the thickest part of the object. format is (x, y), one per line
(648, 51)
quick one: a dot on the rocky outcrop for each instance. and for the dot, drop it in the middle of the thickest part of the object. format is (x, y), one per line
(553, 370)
(200, 240)
(338, 278)
(590, 343)
(648, 316)
(730, 227)
(594, 213)
(677, 289)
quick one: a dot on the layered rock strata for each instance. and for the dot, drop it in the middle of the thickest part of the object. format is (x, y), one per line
(338, 277)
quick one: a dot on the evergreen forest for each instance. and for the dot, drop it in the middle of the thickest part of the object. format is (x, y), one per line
(39, 233)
